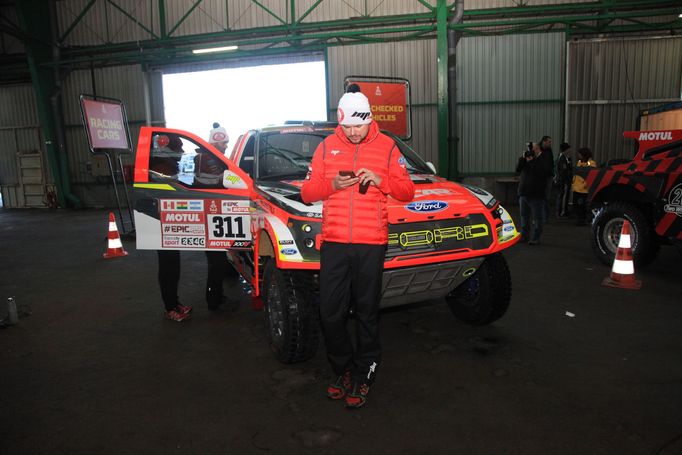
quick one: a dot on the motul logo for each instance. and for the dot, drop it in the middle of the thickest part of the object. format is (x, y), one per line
(362, 115)
(656, 136)
(178, 217)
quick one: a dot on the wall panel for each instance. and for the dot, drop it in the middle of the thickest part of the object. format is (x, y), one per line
(610, 81)
(509, 90)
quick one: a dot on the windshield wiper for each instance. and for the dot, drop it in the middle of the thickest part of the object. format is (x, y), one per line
(285, 176)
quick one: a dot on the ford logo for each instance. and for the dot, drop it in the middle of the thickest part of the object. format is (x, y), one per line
(289, 251)
(426, 206)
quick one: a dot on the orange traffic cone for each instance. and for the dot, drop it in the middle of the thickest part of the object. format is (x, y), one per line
(623, 271)
(115, 247)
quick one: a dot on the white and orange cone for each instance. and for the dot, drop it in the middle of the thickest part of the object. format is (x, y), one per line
(115, 247)
(623, 270)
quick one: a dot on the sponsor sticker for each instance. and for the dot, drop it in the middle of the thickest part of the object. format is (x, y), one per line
(674, 204)
(205, 224)
(426, 206)
(286, 242)
(289, 251)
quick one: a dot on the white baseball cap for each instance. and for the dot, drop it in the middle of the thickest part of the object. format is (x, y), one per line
(218, 134)
(354, 109)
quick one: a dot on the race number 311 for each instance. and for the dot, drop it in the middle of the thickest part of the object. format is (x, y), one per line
(228, 227)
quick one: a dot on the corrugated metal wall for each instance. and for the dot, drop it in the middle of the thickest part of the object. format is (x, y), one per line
(19, 132)
(414, 61)
(610, 81)
(90, 174)
(9, 44)
(510, 91)
(509, 88)
(106, 22)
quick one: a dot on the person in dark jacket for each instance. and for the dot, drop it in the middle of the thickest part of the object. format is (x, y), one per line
(534, 171)
(547, 154)
(562, 179)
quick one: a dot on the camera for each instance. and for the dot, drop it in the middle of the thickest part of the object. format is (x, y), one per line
(528, 153)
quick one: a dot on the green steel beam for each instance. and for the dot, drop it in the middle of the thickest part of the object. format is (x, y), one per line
(76, 21)
(35, 16)
(308, 11)
(299, 32)
(162, 19)
(185, 16)
(133, 18)
(427, 5)
(265, 8)
(569, 8)
(442, 81)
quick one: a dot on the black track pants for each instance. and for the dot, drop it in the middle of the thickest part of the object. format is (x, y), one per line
(217, 266)
(351, 273)
(169, 276)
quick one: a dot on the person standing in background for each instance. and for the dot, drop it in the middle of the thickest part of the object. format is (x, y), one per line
(534, 172)
(563, 177)
(208, 173)
(547, 155)
(579, 186)
(218, 137)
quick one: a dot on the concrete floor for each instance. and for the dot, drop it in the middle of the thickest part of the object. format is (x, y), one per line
(94, 369)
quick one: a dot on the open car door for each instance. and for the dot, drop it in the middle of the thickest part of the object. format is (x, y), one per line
(189, 195)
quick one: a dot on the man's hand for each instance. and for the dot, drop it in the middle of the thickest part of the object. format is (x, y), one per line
(341, 182)
(367, 176)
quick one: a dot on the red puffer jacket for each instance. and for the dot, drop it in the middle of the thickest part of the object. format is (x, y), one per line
(347, 215)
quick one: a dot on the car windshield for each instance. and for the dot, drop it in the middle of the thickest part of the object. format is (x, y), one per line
(286, 156)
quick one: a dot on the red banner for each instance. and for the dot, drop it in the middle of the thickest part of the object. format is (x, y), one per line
(105, 125)
(388, 101)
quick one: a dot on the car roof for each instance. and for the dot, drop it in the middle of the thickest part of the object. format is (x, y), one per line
(291, 124)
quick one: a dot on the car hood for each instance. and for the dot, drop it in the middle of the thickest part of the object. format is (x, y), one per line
(434, 198)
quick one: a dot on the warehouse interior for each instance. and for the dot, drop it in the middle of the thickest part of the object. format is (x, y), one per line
(91, 367)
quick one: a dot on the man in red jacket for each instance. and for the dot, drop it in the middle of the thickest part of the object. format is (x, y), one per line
(353, 172)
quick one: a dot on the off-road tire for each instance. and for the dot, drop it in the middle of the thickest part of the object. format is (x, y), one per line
(292, 313)
(485, 296)
(606, 229)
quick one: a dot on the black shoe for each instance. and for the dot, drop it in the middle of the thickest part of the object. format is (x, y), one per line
(230, 305)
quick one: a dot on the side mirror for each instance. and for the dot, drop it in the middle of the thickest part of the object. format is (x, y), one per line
(232, 181)
(431, 166)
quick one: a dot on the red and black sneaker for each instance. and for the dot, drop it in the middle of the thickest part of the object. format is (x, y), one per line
(184, 309)
(340, 387)
(175, 315)
(357, 396)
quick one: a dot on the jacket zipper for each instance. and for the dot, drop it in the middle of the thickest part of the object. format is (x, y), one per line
(352, 195)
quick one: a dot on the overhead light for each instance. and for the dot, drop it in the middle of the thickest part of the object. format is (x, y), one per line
(215, 49)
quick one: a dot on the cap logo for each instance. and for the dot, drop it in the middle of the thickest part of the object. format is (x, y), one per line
(340, 115)
(362, 115)
(218, 136)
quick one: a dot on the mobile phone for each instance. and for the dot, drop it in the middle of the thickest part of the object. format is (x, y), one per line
(347, 174)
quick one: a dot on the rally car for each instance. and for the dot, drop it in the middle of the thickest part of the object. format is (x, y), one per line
(445, 243)
(646, 191)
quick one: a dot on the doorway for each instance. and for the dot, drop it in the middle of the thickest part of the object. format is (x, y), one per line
(244, 98)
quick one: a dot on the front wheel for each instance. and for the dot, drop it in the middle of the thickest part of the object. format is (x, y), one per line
(484, 297)
(291, 312)
(606, 229)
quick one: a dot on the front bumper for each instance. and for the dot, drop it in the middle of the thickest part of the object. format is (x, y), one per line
(425, 282)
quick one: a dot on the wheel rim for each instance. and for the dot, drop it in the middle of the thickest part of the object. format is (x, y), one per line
(472, 290)
(275, 311)
(611, 236)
